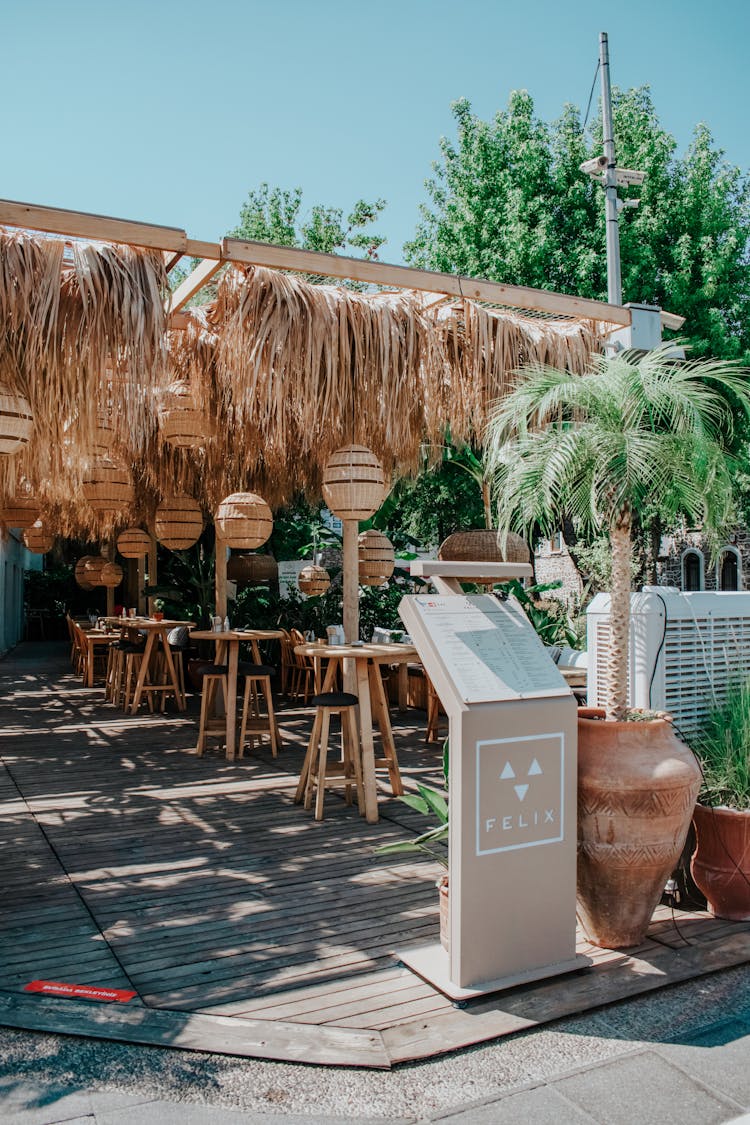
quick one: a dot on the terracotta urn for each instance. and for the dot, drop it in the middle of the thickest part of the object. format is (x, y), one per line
(637, 786)
(721, 860)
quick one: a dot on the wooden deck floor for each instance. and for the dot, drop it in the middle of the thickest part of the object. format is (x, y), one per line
(242, 924)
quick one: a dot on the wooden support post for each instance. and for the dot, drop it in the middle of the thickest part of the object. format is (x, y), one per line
(140, 597)
(109, 551)
(153, 576)
(351, 580)
(221, 578)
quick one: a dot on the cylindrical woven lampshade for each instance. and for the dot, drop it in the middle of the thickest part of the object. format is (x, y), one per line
(243, 520)
(16, 421)
(181, 423)
(253, 570)
(313, 580)
(20, 511)
(376, 558)
(37, 539)
(80, 574)
(95, 564)
(111, 575)
(483, 546)
(178, 523)
(107, 486)
(353, 483)
(133, 543)
(104, 439)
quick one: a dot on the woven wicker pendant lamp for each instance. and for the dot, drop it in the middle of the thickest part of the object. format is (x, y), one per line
(181, 423)
(243, 520)
(20, 511)
(376, 558)
(111, 575)
(483, 546)
(252, 570)
(37, 539)
(353, 483)
(80, 574)
(178, 522)
(95, 564)
(16, 421)
(107, 486)
(313, 580)
(133, 543)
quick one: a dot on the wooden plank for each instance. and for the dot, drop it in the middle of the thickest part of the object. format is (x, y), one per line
(193, 284)
(80, 224)
(406, 277)
(190, 1032)
(496, 1017)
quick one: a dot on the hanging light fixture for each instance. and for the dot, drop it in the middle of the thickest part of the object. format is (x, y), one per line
(16, 421)
(353, 483)
(178, 522)
(376, 558)
(243, 520)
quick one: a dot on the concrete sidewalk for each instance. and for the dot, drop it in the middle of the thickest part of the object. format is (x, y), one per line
(679, 1055)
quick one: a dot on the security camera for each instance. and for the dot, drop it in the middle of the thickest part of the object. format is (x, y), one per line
(594, 167)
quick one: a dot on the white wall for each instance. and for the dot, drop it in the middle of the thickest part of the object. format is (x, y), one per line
(14, 559)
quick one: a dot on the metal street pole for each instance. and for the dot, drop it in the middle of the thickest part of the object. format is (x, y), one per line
(614, 276)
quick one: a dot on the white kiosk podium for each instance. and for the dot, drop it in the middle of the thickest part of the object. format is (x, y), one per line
(512, 787)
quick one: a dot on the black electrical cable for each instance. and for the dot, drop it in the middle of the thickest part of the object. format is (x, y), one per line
(591, 94)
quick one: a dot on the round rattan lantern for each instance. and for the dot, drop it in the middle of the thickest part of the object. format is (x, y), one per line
(376, 558)
(80, 574)
(353, 483)
(37, 539)
(252, 570)
(133, 543)
(16, 421)
(20, 511)
(107, 486)
(243, 520)
(95, 564)
(483, 546)
(178, 522)
(313, 580)
(181, 423)
(111, 575)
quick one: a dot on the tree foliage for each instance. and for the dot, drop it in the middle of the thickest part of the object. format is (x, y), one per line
(507, 201)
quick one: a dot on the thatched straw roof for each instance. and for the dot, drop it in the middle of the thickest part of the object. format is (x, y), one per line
(286, 371)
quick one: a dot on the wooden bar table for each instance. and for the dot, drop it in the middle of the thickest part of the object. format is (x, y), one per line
(91, 639)
(153, 630)
(367, 659)
(228, 652)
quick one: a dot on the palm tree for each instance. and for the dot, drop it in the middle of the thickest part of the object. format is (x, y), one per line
(597, 448)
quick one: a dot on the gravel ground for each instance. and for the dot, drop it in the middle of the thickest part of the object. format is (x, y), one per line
(40, 1073)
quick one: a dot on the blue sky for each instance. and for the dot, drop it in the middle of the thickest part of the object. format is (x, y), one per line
(170, 112)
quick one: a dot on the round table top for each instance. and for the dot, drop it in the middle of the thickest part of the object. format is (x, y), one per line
(147, 622)
(385, 652)
(238, 635)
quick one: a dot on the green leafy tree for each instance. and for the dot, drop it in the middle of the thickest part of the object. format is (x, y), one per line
(507, 201)
(599, 448)
(276, 215)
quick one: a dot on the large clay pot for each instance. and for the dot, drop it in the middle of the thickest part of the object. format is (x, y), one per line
(721, 861)
(637, 785)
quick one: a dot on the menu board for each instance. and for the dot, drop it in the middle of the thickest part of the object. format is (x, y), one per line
(488, 648)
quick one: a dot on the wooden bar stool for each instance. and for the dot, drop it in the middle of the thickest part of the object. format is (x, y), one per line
(254, 722)
(316, 772)
(214, 677)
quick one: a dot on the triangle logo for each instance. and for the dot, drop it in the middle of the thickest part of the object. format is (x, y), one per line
(534, 768)
(521, 791)
(508, 772)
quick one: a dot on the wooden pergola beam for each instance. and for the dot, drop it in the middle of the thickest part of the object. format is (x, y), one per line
(194, 283)
(405, 277)
(80, 224)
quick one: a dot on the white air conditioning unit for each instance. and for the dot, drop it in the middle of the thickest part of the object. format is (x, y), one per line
(685, 649)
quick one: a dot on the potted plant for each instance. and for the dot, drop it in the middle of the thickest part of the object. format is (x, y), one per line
(639, 429)
(158, 613)
(430, 802)
(721, 860)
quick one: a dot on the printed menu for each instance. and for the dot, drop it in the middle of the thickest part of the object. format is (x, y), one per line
(488, 648)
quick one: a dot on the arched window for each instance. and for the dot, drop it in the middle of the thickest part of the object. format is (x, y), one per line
(729, 569)
(692, 570)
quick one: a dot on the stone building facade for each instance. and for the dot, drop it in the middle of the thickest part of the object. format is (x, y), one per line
(685, 561)
(552, 563)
